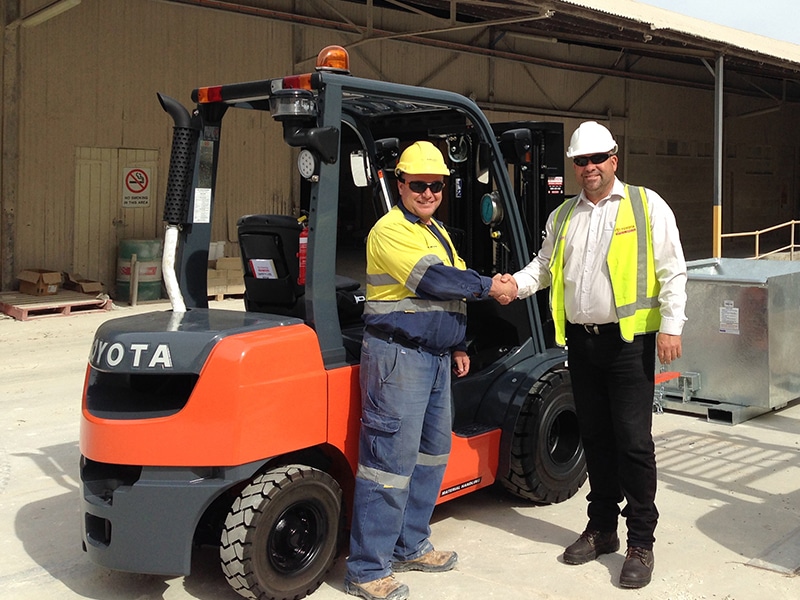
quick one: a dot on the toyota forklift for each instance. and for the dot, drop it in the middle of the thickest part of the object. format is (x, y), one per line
(239, 428)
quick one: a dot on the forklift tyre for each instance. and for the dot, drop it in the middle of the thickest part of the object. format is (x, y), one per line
(547, 462)
(281, 535)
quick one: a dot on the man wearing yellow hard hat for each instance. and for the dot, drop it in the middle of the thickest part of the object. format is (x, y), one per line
(415, 315)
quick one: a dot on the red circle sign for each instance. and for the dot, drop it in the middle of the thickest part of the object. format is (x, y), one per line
(136, 181)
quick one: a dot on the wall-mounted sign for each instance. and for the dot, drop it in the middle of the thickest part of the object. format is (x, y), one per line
(135, 187)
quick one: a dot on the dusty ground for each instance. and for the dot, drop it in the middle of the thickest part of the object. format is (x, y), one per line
(729, 498)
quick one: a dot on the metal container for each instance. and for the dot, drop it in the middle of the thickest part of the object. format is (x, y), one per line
(741, 344)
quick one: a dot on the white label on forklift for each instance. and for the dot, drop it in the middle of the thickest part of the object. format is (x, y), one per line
(202, 205)
(263, 268)
(728, 318)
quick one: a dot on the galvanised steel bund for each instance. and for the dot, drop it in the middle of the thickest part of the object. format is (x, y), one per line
(741, 344)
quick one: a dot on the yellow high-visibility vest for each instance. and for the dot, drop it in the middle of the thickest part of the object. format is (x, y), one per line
(399, 253)
(630, 264)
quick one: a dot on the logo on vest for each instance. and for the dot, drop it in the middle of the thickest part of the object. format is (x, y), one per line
(628, 229)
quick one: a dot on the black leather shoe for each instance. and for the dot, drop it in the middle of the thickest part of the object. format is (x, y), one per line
(637, 570)
(590, 545)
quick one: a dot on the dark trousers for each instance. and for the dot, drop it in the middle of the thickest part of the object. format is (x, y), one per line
(612, 381)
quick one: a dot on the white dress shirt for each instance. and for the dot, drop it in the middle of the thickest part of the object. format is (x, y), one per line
(588, 297)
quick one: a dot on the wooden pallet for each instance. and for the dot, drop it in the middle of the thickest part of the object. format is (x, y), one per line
(24, 307)
(223, 295)
(220, 292)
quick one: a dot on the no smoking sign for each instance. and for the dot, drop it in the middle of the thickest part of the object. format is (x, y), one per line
(135, 187)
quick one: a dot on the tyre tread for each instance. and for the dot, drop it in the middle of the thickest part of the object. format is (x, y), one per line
(523, 480)
(241, 520)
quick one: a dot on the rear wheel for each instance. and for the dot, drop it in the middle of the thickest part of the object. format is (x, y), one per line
(280, 536)
(547, 460)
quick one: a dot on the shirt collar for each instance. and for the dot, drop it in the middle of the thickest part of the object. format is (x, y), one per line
(617, 192)
(410, 217)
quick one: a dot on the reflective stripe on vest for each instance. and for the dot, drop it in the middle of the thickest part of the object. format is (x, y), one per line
(414, 305)
(387, 293)
(630, 264)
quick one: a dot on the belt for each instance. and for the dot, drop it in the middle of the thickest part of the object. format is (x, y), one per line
(401, 340)
(596, 329)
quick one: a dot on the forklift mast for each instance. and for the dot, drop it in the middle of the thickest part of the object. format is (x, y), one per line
(317, 111)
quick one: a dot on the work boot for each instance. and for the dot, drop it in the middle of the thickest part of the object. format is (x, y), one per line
(590, 545)
(385, 588)
(435, 561)
(637, 570)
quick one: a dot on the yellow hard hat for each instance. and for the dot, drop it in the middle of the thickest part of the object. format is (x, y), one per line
(421, 158)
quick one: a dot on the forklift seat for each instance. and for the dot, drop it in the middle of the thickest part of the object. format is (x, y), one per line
(269, 245)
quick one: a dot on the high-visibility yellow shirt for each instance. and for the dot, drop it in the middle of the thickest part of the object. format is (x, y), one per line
(416, 282)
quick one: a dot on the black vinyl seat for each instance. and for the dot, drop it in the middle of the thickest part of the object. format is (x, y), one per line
(271, 243)
(273, 238)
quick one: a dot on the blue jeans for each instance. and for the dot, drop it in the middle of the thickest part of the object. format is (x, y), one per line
(403, 450)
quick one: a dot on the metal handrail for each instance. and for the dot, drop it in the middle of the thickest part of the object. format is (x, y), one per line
(791, 247)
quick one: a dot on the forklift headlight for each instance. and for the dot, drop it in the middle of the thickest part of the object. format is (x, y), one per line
(292, 104)
(307, 164)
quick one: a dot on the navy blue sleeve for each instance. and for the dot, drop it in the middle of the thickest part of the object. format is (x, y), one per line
(442, 282)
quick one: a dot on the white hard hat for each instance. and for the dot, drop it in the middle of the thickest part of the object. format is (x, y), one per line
(591, 138)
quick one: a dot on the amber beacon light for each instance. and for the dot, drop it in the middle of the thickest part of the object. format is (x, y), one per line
(334, 59)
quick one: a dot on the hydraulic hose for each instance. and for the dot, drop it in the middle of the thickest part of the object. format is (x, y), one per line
(168, 269)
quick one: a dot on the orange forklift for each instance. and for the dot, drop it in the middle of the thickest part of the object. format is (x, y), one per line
(240, 428)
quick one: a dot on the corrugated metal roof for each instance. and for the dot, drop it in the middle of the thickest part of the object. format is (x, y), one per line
(659, 19)
(645, 42)
(617, 24)
(636, 30)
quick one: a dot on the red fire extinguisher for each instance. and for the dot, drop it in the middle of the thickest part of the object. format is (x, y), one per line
(302, 253)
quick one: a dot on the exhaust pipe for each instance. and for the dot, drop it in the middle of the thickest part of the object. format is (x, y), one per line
(181, 164)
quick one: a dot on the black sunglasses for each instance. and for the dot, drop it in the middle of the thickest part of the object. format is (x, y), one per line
(595, 159)
(419, 187)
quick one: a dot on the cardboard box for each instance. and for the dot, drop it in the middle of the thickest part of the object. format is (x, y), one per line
(217, 290)
(229, 263)
(225, 276)
(233, 277)
(39, 282)
(216, 250)
(75, 281)
(216, 279)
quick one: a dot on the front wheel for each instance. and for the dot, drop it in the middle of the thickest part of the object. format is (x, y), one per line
(547, 460)
(280, 536)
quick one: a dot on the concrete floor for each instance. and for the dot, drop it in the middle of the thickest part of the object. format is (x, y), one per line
(729, 499)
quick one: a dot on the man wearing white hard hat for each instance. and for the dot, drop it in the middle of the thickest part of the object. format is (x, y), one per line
(613, 260)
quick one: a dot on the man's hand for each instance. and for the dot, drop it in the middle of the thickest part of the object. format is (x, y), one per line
(504, 288)
(460, 363)
(668, 347)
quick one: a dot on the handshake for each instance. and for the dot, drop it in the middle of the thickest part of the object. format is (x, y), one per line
(504, 288)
